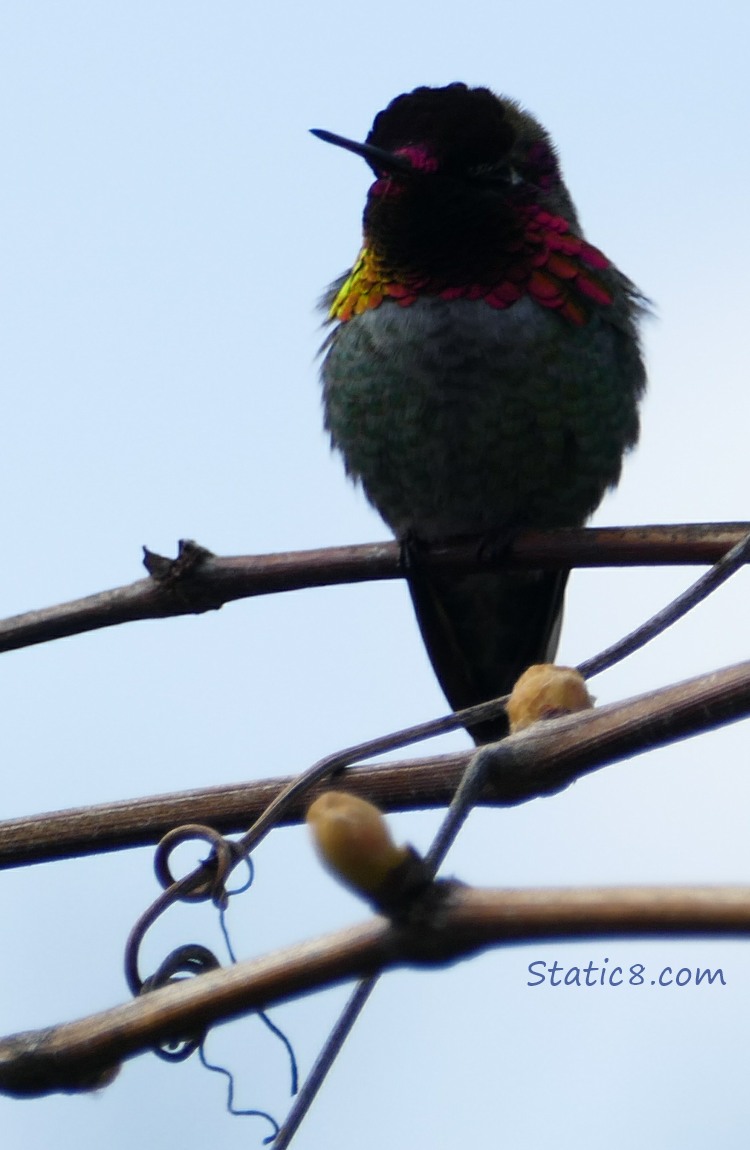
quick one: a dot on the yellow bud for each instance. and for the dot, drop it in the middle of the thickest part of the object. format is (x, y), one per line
(353, 841)
(545, 691)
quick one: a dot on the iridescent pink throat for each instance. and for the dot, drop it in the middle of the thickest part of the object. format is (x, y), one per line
(552, 265)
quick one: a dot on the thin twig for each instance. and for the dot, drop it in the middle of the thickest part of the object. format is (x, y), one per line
(70, 1056)
(467, 793)
(727, 566)
(546, 758)
(197, 581)
(328, 1054)
(412, 784)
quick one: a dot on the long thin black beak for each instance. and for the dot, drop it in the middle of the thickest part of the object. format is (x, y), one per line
(377, 158)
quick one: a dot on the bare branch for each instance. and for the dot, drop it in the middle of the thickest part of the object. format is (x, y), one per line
(70, 1056)
(544, 758)
(197, 581)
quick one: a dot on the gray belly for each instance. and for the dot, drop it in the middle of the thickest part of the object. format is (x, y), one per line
(460, 418)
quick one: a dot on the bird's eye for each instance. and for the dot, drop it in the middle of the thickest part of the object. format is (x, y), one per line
(498, 174)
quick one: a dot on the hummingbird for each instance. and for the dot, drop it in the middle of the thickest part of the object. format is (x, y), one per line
(483, 369)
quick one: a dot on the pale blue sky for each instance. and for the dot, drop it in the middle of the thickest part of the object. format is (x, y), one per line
(166, 226)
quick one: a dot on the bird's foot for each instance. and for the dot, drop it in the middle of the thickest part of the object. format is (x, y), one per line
(490, 548)
(496, 544)
(412, 550)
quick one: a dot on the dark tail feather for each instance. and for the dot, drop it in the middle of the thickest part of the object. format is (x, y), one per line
(482, 631)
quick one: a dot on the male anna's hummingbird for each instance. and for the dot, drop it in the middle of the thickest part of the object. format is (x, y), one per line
(484, 371)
